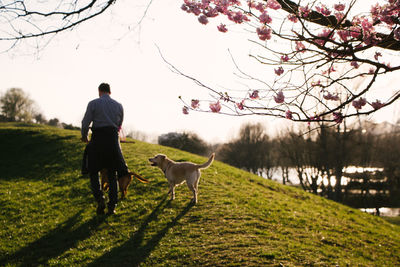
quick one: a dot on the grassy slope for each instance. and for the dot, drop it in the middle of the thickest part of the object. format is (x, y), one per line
(47, 214)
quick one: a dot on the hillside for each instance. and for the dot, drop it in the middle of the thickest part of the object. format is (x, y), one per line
(48, 215)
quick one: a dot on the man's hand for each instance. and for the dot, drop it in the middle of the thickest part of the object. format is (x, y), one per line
(84, 139)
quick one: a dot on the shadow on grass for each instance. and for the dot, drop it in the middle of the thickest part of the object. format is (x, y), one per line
(133, 252)
(54, 243)
(35, 154)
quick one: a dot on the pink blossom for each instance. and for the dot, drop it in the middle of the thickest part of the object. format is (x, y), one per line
(240, 105)
(279, 98)
(358, 104)
(355, 32)
(194, 9)
(215, 107)
(254, 94)
(195, 103)
(289, 115)
(377, 104)
(325, 34)
(323, 10)
(338, 117)
(285, 58)
(371, 71)
(377, 55)
(355, 64)
(339, 7)
(205, 3)
(222, 28)
(260, 7)
(279, 71)
(375, 11)
(367, 26)
(203, 19)
(293, 18)
(273, 4)
(238, 17)
(264, 33)
(211, 12)
(265, 18)
(251, 3)
(300, 46)
(339, 16)
(185, 110)
(344, 35)
(184, 7)
(386, 12)
(304, 11)
(329, 96)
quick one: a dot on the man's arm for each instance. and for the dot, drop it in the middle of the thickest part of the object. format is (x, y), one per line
(122, 116)
(87, 119)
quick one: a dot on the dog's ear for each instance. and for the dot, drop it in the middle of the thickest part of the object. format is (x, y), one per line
(160, 156)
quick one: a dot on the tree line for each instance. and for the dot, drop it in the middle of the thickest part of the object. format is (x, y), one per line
(16, 105)
(319, 158)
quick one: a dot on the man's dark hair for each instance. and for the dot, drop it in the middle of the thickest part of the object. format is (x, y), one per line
(104, 87)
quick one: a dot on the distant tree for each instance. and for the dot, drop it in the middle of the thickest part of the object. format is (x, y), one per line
(388, 155)
(184, 141)
(282, 155)
(69, 126)
(17, 106)
(54, 122)
(40, 118)
(252, 150)
(138, 135)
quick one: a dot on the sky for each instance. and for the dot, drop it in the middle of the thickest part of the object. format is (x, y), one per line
(63, 77)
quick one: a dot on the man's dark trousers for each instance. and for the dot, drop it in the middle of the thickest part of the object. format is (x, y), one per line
(113, 188)
(104, 152)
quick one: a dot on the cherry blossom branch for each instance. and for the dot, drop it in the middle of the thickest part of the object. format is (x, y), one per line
(322, 93)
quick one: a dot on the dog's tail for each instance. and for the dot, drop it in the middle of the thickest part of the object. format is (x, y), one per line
(208, 163)
(140, 178)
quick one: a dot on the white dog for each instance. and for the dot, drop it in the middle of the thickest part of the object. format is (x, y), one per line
(179, 172)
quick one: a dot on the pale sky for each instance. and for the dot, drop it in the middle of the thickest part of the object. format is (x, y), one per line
(64, 76)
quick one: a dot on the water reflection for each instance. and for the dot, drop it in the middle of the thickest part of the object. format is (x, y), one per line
(389, 212)
(294, 180)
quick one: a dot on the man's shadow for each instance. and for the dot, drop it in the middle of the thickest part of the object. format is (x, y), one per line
(54, 243)
(133, 252)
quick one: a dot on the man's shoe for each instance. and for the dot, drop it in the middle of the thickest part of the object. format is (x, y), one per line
(100, 208)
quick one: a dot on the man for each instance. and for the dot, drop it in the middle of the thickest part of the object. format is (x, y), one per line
(103, 150)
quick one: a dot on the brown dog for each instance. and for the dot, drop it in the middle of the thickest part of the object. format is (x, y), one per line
(179, 172)
(123, 182)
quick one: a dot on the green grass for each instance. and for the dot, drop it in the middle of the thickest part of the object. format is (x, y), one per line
(394, 220)
(47, 215)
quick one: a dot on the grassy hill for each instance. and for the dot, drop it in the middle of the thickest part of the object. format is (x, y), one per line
(47, 215)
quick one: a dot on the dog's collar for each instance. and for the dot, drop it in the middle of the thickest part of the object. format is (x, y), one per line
(166, 167)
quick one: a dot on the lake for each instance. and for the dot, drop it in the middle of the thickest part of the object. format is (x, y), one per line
(294, 180)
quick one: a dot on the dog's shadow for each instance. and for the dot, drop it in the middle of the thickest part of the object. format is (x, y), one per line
(133, 252)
